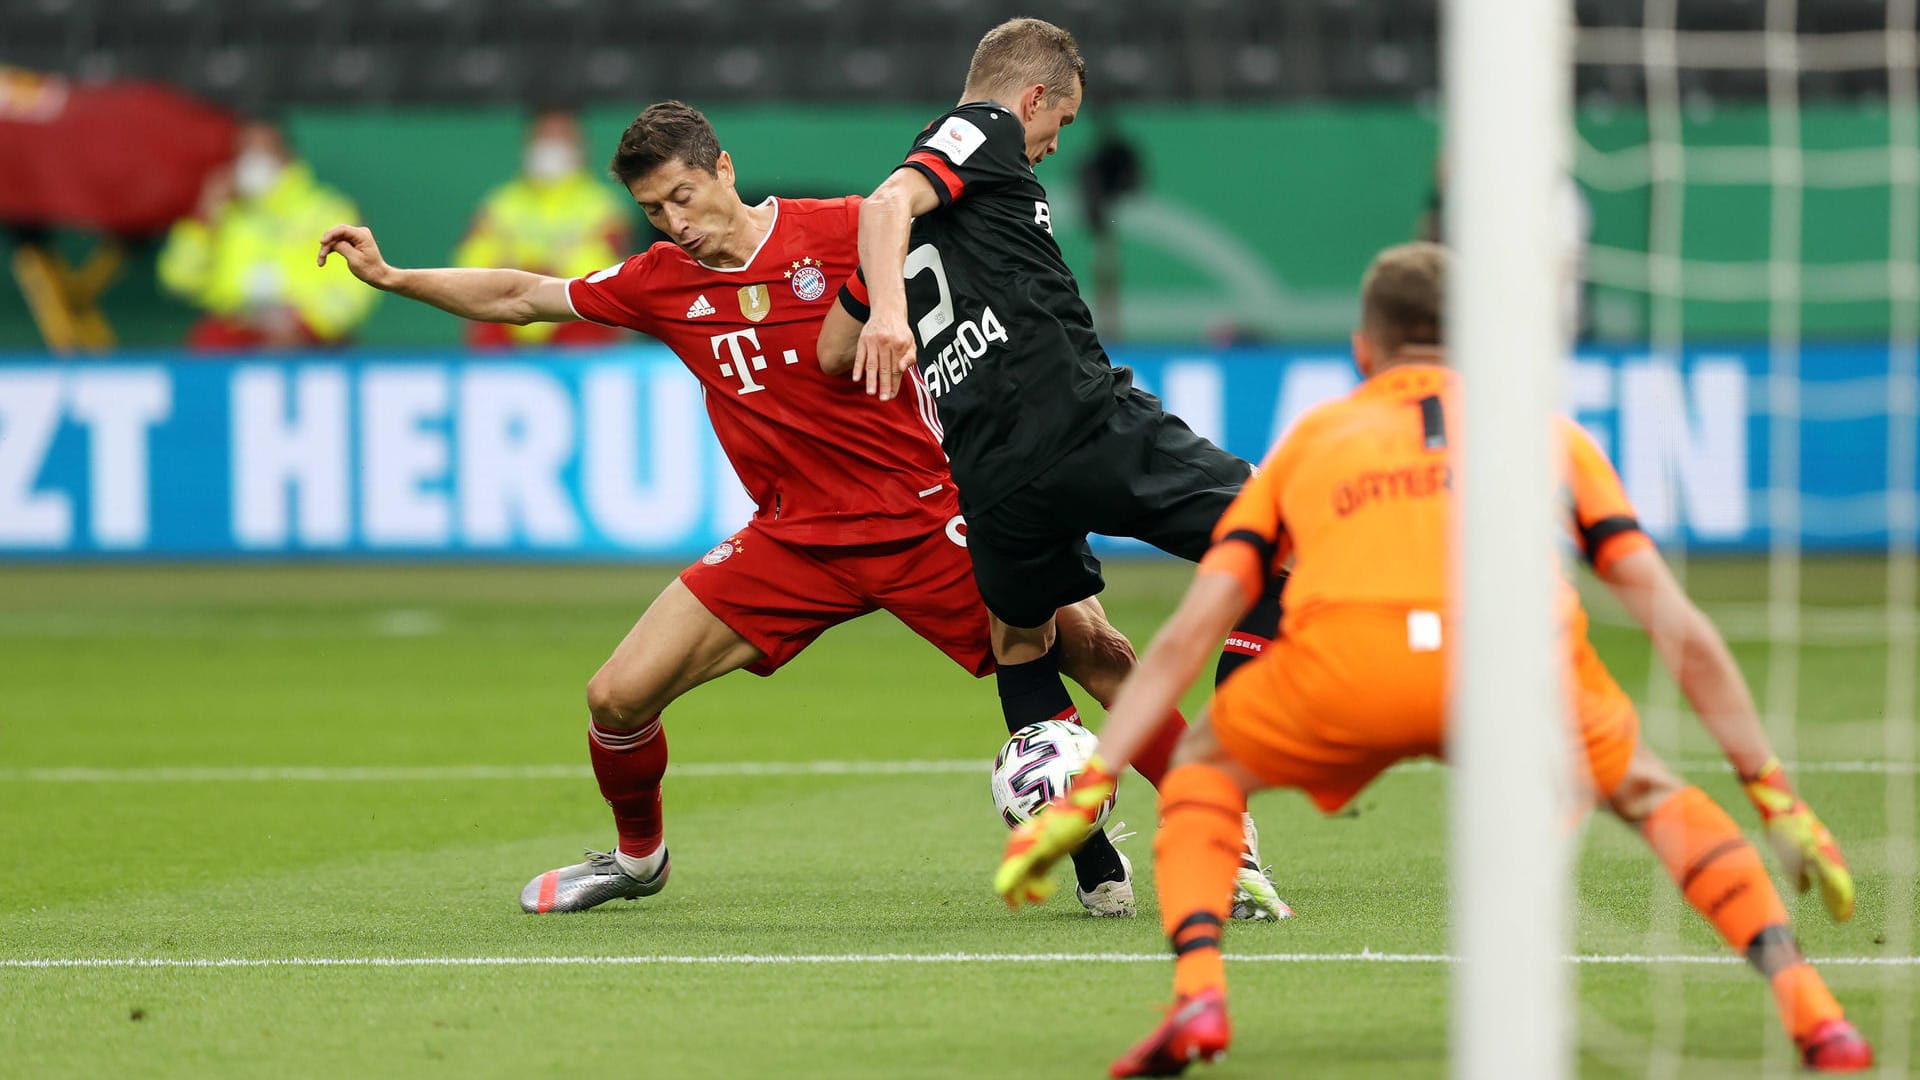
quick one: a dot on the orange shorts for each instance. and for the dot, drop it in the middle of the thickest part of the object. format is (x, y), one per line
(1331, 705)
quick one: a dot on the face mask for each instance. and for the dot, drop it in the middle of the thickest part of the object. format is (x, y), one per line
(550, 159)
(255, 173)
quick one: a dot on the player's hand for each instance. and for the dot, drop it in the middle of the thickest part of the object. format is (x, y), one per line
(1806, 848)
(355, 245)
(1056, 831)
(884, 353)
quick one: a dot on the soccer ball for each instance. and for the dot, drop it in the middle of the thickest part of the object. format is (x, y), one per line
(1038, 763)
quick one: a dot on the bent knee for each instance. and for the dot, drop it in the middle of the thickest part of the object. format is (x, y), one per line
(617, 704)
(1648, 783)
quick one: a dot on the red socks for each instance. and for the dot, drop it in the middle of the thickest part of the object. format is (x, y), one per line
(1154, 757)
(629, 766)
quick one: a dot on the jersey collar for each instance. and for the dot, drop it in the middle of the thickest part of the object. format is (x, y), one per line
(748, 265)
(1407, 377)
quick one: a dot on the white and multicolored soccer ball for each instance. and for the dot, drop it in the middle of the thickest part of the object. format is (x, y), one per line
(1038, 763)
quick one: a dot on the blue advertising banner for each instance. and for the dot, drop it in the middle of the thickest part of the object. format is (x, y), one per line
(609, 455)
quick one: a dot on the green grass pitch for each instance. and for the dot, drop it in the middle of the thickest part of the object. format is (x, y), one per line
(200, 674)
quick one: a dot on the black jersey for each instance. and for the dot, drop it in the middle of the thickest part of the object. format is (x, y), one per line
(1006, 345)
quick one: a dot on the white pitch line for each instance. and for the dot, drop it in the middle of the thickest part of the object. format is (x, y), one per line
(332, 774)
(191, 774)
(761, 959)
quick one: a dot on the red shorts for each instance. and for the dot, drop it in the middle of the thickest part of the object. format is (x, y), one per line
(781, 596)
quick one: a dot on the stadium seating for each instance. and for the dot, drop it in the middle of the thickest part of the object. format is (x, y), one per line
(264, 53)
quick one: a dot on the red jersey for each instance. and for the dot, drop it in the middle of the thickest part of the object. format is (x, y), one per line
(825, 463)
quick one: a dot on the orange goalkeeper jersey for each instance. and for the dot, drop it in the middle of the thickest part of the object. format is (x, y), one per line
(1360, 496)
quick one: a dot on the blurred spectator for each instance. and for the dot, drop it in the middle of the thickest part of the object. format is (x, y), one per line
(245, 255)
(1108, 175)
(554, 218)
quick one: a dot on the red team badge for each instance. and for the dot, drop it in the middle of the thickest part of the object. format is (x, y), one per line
(721, 552)
(808, 280)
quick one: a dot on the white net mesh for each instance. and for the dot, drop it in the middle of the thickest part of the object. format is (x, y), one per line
(1754, 169)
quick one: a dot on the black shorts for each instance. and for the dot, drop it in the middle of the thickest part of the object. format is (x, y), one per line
(1142, 474)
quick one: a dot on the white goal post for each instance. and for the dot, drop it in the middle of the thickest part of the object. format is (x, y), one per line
(1507, 77)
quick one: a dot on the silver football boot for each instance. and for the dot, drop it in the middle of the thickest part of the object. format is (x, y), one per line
(1254, 897)
(589, 884)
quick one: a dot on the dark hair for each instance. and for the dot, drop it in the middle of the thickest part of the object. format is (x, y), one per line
(667, 131)
(1403, 298)
(1024, 52)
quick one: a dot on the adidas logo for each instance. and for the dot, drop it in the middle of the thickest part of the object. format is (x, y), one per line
(700, 307)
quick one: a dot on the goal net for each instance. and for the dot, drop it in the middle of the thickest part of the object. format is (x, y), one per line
(1750, 180)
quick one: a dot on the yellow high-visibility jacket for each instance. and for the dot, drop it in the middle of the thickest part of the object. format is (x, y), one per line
(564, 228)
(259, 253)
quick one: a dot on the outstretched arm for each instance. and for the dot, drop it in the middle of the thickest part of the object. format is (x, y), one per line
(1693, 650)
(504, 296)
(1698, 657)
(886, 348)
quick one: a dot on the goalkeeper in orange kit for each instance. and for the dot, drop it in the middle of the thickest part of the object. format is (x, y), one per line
(1358, 501)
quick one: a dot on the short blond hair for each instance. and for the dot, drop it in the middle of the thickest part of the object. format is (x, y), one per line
(1403, 297)
(1025, 52)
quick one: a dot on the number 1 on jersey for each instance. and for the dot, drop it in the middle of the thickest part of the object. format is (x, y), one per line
(1433, 424)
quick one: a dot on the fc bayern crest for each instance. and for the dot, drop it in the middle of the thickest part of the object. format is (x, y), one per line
(808, 280)
(721, 553)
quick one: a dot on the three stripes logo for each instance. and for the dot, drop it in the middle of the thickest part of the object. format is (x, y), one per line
(700, 307)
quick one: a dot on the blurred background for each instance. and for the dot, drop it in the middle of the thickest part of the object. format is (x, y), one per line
(166, 165)
(1265, 150)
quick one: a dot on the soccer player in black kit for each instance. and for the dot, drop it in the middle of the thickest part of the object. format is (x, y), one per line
(1047, 440)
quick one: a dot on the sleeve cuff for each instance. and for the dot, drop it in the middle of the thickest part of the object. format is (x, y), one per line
(1617, 546)
(853, 297)
(1247, 556)
(947, 184)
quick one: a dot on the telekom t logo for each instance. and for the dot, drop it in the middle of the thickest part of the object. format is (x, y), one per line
(743, 366)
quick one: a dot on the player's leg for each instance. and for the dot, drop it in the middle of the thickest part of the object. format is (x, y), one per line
(1196, 854)
(1027, 674)
(1147, 475)
(931, 587)
(1024, 569)
(1198, 850)
(1168, 486)
(1718, 871)
(750, 603)
(1099, 657)
(1031, 561)
(676, 645)
(1723, 878)
(1324, 720)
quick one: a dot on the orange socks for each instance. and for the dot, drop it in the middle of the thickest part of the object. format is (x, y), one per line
(1723, 878)
(1195, 857)
(1804, 1000)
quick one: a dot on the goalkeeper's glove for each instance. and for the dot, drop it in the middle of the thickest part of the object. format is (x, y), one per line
(1805, 847)
(1057, 830)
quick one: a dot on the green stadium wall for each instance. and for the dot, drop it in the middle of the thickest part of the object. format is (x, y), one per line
(1253, 223)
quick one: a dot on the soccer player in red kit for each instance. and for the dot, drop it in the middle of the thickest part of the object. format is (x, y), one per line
(855, 509)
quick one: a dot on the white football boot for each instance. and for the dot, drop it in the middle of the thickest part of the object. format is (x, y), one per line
(1254, 898)
(1110, 899)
